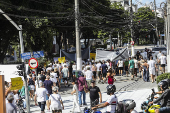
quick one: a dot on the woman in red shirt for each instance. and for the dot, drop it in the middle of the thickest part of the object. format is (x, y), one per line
(110, 76)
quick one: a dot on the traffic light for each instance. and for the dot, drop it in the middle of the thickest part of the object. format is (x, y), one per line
(20, 67)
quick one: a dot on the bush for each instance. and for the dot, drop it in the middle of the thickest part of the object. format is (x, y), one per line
(162, 77)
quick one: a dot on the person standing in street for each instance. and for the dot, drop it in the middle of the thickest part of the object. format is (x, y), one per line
(10, 107)
(89, 76)
(75, 97)
(152, 67)
(31, 84)
(126, 67)
(163, 61)
(48, 85)
(94, 94)
(65, 75)
(94, 69)
(56, 101)
(131, 67)
(98, 65)
(120, 65)
(41, 96)
(136, 66)
(81, 81)
(104, 71)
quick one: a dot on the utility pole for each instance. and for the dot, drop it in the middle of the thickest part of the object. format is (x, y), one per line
(77, 29)
(156, 21)
(131, 28)
(110, 41)
(19, 28)
(168, 35)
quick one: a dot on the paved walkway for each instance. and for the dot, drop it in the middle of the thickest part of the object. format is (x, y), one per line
(137, 91)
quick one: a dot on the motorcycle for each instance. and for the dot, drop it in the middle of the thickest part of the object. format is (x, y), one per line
(149, 108)
(20, 104)
(89, 110)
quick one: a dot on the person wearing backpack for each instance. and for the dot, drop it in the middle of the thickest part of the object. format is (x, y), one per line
(111, 102)
(31, 84)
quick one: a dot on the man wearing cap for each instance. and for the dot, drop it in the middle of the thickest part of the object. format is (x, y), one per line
(94, 94)
(89, 76)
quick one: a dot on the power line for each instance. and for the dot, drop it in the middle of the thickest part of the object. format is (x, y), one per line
(31, 10)
(49, 3)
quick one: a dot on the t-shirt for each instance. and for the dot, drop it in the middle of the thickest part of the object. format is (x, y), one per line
(22, 91)
(163, 59)
(108, 65)
(131, 62)
(75, 88)
(98, 66)
(88, 75)
(37, 83)
(151, 64)
(74, 67)
(65, 72)
(136, 63)
(120, 63)
(94, 92)
(53, 77)
(104, 68)
(134, 111)
(126, 63)
(48, 85)
(55, 101)
(41, 94)
(159, 55)
(112, 100)
(43, 77)
(11, 108)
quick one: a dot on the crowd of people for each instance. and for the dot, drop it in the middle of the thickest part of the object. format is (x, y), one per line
(44, 88)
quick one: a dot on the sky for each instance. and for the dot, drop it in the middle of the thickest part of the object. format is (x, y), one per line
(158, 2)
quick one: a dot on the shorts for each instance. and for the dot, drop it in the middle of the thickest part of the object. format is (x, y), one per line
(152, 71)
(32, 87)
(98, 73)
(104, 75)
(94, 74)
(136, 69)
(47, 97)
(132, 71)
(126, 68)
(42, 106)
(64, 79)
(120, 68)
(164, 110)
(94, 102)
(56, 111)
(162, 65)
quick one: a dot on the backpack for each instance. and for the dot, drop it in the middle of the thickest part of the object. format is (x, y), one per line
(31, 82)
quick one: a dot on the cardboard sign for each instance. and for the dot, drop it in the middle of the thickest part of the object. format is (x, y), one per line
(16, 83)
(61, 59)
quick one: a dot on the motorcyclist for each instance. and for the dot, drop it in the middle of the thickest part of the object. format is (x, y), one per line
(111, 101)
(130, 105)
(164, 98)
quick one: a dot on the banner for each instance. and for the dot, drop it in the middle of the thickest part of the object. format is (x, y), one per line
(72, 56)
(16, 83)
(92, 56)
(111, 55)
(61, 59)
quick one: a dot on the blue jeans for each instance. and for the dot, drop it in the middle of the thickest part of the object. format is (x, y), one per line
(24, 102)
(84, 97)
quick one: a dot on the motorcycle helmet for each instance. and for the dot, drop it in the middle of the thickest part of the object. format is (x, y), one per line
(164, 84)
(130, 104)
(111, 89)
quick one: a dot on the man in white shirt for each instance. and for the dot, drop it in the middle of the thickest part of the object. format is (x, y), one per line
(53, 76)
(89, 76)
(98, 65)
(40, 95)
(163, 61)
(75, 97)
(152, 67)
(136, 66)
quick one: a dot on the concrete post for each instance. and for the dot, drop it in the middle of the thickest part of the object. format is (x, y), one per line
(77, 29)
(168, 35)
